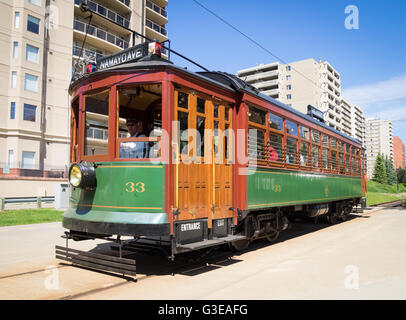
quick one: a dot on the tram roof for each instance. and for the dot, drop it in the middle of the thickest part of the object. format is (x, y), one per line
(224, 80)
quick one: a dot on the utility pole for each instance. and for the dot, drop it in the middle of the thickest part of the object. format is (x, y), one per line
(42, 148)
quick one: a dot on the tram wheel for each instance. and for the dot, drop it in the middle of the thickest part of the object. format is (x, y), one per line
(239, 245)
(270, 237)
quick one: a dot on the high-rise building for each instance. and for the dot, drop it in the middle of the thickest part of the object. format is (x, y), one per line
(308, 82)
(399, 155)
(41, 43)
(378, 139)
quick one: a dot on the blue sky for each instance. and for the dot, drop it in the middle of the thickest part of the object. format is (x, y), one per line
(371, 59)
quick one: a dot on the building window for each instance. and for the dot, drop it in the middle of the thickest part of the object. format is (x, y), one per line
(288, 77)
(10, 158)
(289, 96)
(13, 79)
(17, 20)
(33, 24)
(31, 54)
(288, 68)
(12, 110)
(28, 160)
(31, 83)
(289, 87)
(29, 112)
(36, 2)
(15, 50)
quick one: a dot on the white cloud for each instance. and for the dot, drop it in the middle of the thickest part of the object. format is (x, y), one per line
(378, 94)
(396, 113)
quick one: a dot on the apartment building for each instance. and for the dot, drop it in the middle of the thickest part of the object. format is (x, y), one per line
(299, 84)
(399, 154)
(41, 42)
(378, 139)
(308, 82)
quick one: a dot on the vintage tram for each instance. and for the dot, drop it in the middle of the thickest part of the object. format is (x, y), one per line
(213, 162)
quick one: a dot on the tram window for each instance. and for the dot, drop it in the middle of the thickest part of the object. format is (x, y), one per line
(227, 113)
(275, 122)
(347, 148)
(275, 147)
(200, 126)
(201, 105)
(304, 153)
(341, 162)
(291, 150)
(324, 140)
(347, 164)
(324, 158)
(183, 132)
(140, 119)
(256, 144)
(334, 160)
(353, 165)
(340, 145)
(74, 130)
(291, 128)
(96, 124)
(315, 156)
(333, 143)
(216, 110)
(304, 133)
(227, 141)
(316, 137)
(256, 115)
(183, 100)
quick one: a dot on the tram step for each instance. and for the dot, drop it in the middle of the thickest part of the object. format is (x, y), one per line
(97, 261)
(209, 242)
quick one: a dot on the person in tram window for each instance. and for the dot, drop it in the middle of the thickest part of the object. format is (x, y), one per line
(136, 149)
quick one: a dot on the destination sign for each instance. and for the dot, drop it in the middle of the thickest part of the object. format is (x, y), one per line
(125, 56)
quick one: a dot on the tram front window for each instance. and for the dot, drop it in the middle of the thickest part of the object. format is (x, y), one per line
(96, 124)
(140, 114)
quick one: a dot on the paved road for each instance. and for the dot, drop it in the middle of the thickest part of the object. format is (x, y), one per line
(363, 258)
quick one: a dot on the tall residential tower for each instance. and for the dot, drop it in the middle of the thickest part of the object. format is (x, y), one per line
(41, 42)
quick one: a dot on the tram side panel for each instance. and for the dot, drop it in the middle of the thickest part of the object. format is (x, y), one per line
(276, 187)
(128, 200)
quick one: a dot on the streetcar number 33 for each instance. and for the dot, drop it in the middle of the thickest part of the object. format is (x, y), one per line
(137, 187)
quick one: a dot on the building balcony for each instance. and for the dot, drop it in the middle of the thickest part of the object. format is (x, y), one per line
(272, 92)
(161, 3)
(155, 31)
(76, 51)
(266, 84)
(156, 13)
(99, 38)
(105, 12)
(261, 76)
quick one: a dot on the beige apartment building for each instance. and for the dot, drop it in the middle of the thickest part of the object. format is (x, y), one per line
(41, 42)
(378, 139)
(308, 82)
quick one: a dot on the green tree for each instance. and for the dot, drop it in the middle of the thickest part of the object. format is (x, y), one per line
(390, 171)
(401, 173)
(380, 170)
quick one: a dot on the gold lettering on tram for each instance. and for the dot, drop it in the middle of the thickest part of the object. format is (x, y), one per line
(137, 187)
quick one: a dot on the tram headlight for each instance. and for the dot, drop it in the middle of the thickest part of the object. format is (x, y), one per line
(75, 176)
(82, 175)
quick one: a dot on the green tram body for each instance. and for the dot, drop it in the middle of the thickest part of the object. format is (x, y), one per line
(119, 205)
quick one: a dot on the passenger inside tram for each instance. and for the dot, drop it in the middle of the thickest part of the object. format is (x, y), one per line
(140, 109)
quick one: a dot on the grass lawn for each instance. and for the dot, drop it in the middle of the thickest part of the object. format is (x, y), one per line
(29, 216)
(379, 193)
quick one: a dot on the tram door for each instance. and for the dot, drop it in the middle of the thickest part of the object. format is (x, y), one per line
(203, 173)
